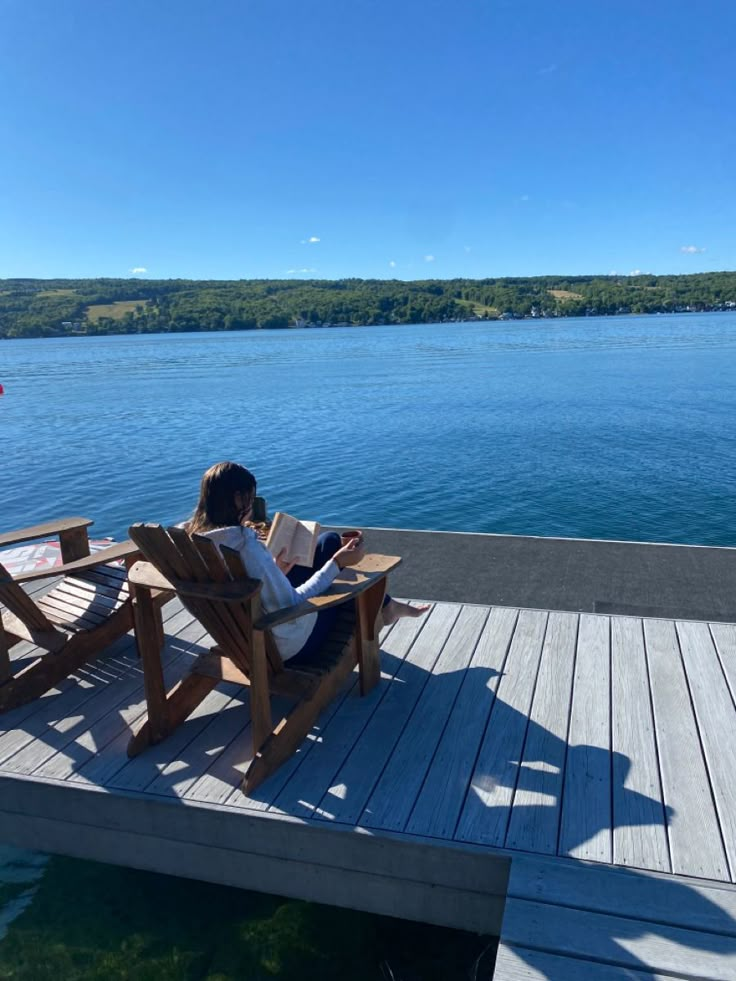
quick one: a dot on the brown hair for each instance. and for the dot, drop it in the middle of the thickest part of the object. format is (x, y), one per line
(216, 507)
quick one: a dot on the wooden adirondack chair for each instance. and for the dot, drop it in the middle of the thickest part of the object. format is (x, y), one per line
(87, 611)
(216, 589)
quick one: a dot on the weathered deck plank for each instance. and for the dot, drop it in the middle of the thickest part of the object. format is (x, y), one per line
(485, 814)
(525, 964)
(716, 717)
(694, 832)
(639, 826)
(535, 812)
(291, 789)
(621, 942)
(438, 806)
(345, 796)
(394, 796)
(585, 824)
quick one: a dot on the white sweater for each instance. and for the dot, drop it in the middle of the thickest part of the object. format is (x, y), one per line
(277, 591)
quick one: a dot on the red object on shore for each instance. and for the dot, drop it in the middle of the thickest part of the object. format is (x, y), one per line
(2, 390)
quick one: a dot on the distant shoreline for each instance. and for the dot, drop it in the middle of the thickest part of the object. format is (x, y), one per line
(94, 307)
(428, 323)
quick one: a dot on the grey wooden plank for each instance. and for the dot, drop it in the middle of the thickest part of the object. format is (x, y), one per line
(523, 964)
(694, 833)
(486, 810)
(222, 778)
(395, 794)
(716, 718)
(639, 824)
(293, 788)
(442, 795)
(231, 725)
(346, 795)
(69, 700)
(724, 637)
(107, 721)
(138, 773)
(535, 812)
(16, 718)
(619, 941)
(585, 825)
(695, 904)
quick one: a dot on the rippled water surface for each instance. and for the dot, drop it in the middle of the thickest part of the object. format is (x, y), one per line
(609, 428)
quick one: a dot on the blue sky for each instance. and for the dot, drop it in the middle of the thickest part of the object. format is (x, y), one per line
(278, 138)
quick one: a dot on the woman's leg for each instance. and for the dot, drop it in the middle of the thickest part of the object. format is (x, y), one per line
(327, 544)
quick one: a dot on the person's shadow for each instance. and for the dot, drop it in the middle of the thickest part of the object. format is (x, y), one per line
(515, 799)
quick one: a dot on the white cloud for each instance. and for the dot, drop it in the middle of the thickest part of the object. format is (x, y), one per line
(429, 258)
(547, 70)
(294, 272)
(635, 272)
(392, 264)
(311, 240)
(691, 249)
(136, 270)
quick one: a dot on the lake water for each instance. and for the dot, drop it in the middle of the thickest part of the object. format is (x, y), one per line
(607, 428)
(616, 427)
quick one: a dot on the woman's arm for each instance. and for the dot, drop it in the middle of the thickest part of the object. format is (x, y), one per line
(277, 590)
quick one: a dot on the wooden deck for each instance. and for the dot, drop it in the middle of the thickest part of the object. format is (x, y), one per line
(585, 764)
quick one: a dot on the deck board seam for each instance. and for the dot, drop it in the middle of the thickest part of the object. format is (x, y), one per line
(420, 693)
(722, 665)
(349, 691)
(522, 748)
(458, 819)
(706, 762)
(563, 770)
(657, 750)
(445, 724)
(563, 904)
(315, 816)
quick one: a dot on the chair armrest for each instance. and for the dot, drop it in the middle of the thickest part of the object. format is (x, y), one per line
(44, 530)
(346, 586)
(114, 553)
(147, 575)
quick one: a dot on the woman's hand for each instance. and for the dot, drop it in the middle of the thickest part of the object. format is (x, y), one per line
(281, 562)
(350, 554)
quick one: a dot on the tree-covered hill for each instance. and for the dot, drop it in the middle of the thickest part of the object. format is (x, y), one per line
(37, 308)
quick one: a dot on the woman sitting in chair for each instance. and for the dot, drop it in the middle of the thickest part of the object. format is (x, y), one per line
(226, 500)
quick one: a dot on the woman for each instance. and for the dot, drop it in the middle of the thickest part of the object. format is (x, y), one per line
(225, 502)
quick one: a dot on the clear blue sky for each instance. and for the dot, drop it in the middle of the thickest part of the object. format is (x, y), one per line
(376, 138)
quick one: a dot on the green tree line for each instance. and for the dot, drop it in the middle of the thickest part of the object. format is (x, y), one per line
(54, 307)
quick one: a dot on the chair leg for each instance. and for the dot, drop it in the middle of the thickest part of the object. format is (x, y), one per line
(181, 702)
(291, 732)
(4, 653)
(148, 627)
(369, 658)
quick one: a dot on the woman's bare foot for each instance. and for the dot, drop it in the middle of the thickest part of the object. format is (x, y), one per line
(394, 610)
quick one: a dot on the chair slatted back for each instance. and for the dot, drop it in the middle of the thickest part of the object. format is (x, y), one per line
(15, 598)
(197, 559)
(237, 570)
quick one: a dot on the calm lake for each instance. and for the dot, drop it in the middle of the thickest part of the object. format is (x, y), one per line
(617, 427)
(605, 428)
